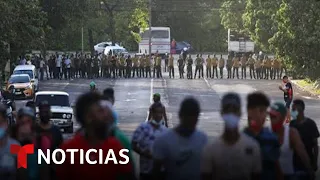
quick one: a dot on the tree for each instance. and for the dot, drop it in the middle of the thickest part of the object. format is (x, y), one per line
(231, 13)
(259, 21)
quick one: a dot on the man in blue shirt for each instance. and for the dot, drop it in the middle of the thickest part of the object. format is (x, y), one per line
(257, 104)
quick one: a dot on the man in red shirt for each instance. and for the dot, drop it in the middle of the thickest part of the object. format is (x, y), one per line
(94, 135)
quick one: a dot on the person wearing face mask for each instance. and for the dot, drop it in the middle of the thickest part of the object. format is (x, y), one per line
(49, 131)
(287, 90)
(8, 165)
(94, 119)
(233, 155)
(179, 150)
(309, 134)
(108, 101)
(26, 134)
(144, 137)
(257, 104)
(290, 142)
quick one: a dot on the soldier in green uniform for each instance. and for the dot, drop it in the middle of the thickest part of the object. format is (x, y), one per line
(180, 63)
(154, 64)
(235, 65)
(129, 67)
(142, 63)
(208, 63)
(158, 66)
(135, 69)
(189, 67)
(221, 66)
(198, 66)
(214, 63)
(243, 66)
(251, 63)
(229, 66)
(201, 65)
(148, 66)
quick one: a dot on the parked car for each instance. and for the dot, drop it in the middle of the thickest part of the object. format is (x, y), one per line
(99, 48)
(181, 45)
(61, 110)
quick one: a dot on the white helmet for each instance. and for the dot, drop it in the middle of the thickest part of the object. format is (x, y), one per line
(185, 48)
(260, 53)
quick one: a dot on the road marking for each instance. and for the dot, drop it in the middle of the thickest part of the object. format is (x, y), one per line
(151, 91)
(129, 100)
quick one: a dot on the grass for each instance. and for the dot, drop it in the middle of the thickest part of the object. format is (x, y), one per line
(309, 85)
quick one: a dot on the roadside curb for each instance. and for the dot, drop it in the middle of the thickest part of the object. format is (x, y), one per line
(304, 89)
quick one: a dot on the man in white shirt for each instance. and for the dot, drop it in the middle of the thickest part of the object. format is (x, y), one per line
(58, 67)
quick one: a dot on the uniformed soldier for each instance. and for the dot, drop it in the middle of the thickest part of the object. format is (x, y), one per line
(189, 67)
(283, 68)
(209, 64)
(214, 64)
(135, 66)
(96, 66)
(158, 66)
(148, 66)
(171, 68)
(221, 66)
(121, 66)
(250, 63)
(276, 68)
(202, 64)
(142, 65)
(198, 66)
(267, 66)
(154, 63)
(258, 68)
(180, 63)
(229, 66)
(113, 66)
(128, 67)
(243, 66)
(235, 65)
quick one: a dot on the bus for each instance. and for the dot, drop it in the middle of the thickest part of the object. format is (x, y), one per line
(239, 43)
(160, 40)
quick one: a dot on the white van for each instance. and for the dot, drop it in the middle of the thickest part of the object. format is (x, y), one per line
(114, 50)
(31, 71)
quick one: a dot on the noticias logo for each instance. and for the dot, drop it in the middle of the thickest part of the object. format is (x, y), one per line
(58, 156)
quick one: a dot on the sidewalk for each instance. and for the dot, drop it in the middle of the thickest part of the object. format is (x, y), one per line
(313, 89)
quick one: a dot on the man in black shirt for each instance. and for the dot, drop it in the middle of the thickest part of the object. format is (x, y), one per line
(309, 134)
(9, 95)
(287, 94)
(181, 67)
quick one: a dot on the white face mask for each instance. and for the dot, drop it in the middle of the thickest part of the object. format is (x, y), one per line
(294, 114)
(154, 122)
(231, 121)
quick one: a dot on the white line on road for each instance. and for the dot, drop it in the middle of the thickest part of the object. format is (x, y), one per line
(151, 97)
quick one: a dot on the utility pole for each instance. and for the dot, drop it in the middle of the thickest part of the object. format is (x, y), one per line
(150, 18)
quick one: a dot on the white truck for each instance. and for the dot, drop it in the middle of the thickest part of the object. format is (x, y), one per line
(239, 43)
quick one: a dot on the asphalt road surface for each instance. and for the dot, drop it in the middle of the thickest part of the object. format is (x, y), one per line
(133, 97)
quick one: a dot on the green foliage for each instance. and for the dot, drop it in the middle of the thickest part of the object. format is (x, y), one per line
(231, 13)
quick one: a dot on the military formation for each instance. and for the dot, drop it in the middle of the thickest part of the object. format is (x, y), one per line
(143, 66)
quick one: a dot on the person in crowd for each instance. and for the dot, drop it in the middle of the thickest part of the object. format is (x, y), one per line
(309, 134)
(144, 137)
(25, 115)
(32, 105)
(47, 130)
(179, 150)
(26, 134)
(257, 104)
(8, 160)
(233, 155)
(287, 90)
(94, 119)
(108, 94)
(290, 142)
(157, 99)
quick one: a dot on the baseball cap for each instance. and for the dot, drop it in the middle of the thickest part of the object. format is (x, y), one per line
(231, 99)
(277, 109)
(156, 95)
(26, 111)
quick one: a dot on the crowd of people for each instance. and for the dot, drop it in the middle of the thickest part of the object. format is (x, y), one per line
(282, 151)
(81, 65)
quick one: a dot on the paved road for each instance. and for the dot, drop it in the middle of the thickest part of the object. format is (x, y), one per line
(133, 97)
